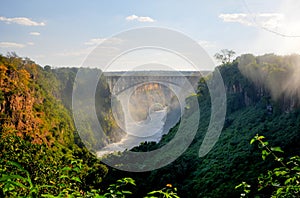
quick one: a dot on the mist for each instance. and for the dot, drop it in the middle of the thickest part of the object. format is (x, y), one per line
(280, 75)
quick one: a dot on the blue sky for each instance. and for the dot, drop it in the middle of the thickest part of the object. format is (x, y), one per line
(62, 33)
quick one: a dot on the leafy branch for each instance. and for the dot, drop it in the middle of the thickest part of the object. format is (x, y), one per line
(167, 192)
(16, 185)
(283, 181)
(266, 150)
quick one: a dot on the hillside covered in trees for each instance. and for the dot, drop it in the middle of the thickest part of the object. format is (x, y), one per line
(262, 98)
(36, 126)
(41, 150)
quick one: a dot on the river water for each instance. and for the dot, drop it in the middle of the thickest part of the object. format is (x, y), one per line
(150, 130)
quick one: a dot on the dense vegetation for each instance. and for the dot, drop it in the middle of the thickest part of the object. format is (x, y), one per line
(282, 181)
(37, 131)
(251, 108)
(41, 153)
(113, 133)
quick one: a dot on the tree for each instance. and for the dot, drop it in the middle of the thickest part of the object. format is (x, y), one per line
(47, 68)
(225, 56)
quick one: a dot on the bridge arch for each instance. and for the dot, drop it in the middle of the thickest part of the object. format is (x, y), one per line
(117, 92)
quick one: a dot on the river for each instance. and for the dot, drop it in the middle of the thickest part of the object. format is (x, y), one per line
(150, 130)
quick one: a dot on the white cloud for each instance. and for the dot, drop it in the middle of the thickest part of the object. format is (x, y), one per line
(11, 45)
(94, 41)
(140, 18)
(110, 44)
(79, 52)
(207, 44)
(21, 21)
(264, 20)
(286, 38)
(109, 41)
(30, 43)
(238, 17)
(35, 33)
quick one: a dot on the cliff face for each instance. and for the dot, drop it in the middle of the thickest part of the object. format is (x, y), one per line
(36, 102)
(251, 109)
(101, 102)
(240, 91)
(277, 76)
(26, 108)
(260, 79)
(21, 117)
(149, 97)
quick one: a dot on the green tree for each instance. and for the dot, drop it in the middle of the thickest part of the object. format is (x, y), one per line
(225, 56)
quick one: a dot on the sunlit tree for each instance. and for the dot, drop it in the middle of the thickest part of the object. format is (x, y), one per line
(225, 56)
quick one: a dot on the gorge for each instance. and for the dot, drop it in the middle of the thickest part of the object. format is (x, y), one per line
(38, 130)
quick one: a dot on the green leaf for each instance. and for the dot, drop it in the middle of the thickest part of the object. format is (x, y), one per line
(238, 186)
(277, 149)
(76, 179)
(126, 192)
(260, 137)
(66, 168)
(264, 154)
(252, 140)
(47, 186)
(18, 184)
(154, 192)
(17, 165)
(279, 190)
(99, 196)
(76, 169)
(278, 173)
(63, 176)
(9, 177)
(296, 168)
(48, 195)
(288, 181)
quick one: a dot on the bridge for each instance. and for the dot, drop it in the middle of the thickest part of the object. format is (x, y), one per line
(121, 81)
(123, 85)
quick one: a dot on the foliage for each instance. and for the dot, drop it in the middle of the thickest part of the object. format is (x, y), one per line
(246, 188)
(39, 157)
(28, 107)
(112, 132)
(277, 75)
(12, 181)
(167, 192)
(250, 108)
(50, 166)
(225, 56)
(17, 185)
(37, 132)
(116, 190)
(282, 181)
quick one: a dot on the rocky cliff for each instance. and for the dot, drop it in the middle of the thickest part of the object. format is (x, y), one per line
(27, 109)
(35, 103)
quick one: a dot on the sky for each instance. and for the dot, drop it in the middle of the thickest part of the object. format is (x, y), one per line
(64, 33)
